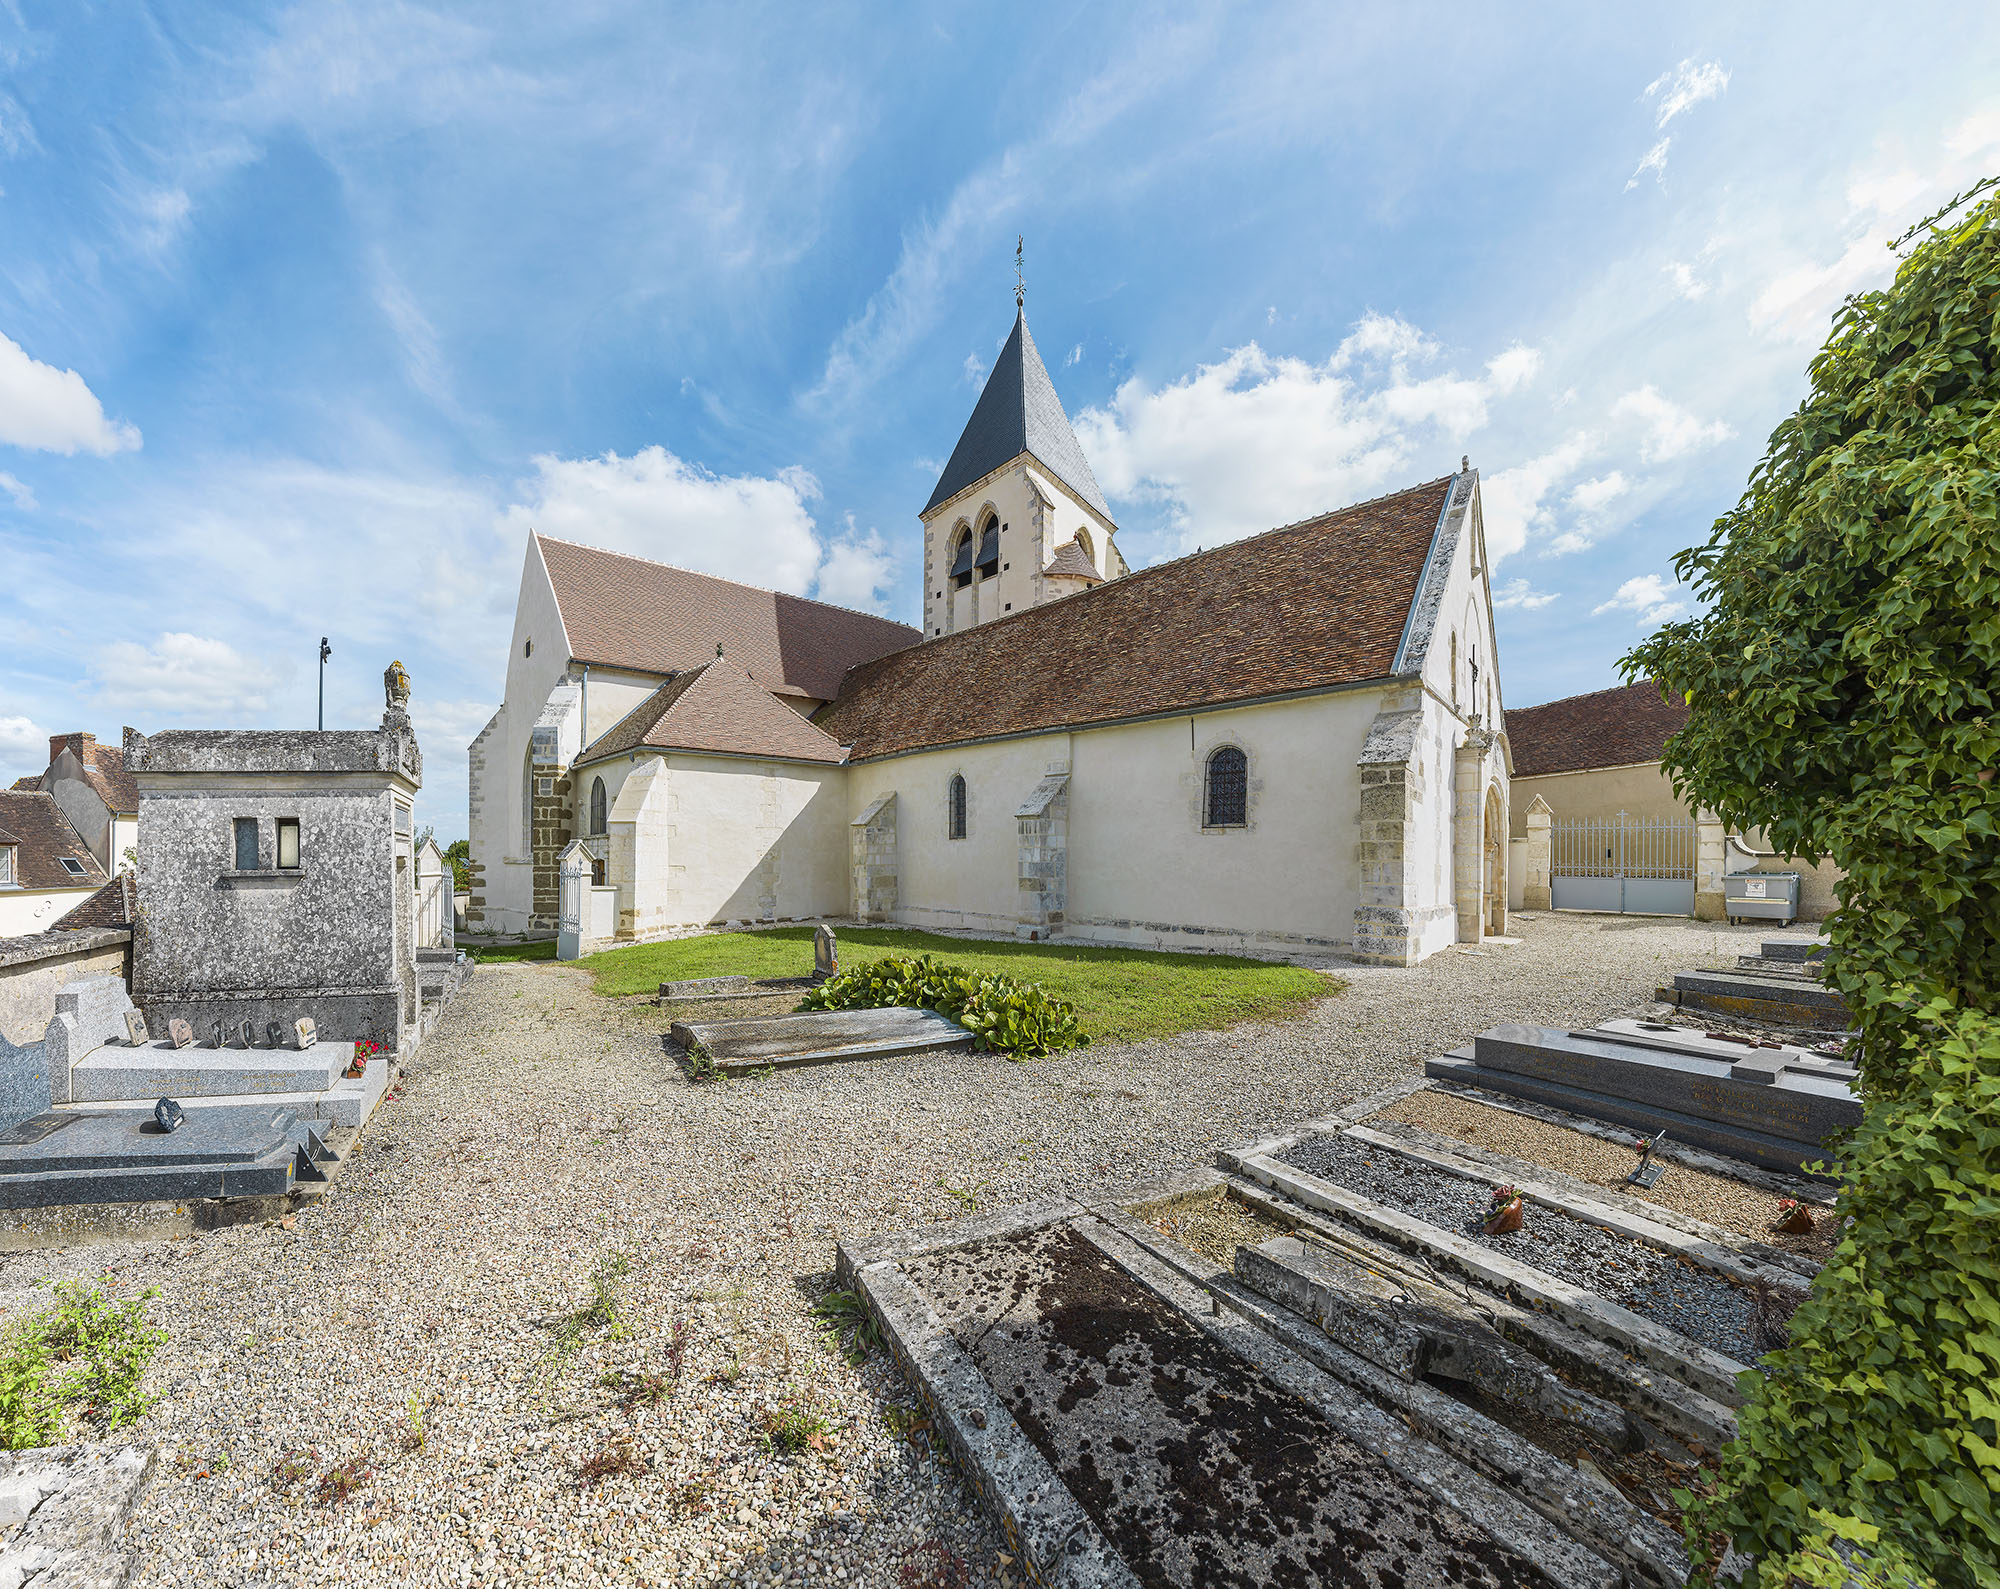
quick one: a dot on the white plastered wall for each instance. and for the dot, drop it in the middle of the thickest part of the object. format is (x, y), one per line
(30, 910)
(696, 840)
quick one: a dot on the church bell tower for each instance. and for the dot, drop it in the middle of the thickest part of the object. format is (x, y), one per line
(1017, 518)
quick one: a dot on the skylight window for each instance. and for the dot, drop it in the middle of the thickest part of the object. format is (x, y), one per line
(73, 866)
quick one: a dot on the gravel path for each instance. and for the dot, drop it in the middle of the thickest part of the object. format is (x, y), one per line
(543, 1135)
(1701, 1306)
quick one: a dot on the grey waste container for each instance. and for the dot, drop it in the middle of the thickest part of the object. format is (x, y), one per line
(1761, 896)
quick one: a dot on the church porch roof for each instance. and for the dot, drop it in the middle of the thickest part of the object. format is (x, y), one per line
(719, 709)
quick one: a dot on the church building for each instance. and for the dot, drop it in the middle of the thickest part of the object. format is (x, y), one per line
(1292, 742)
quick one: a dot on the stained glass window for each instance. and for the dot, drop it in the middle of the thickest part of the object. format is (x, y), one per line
(1228, 788)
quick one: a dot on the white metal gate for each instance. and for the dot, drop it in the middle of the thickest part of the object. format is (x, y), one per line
(1638, 866)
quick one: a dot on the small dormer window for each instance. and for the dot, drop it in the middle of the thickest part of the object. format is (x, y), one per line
(73, 866)
(6, 866)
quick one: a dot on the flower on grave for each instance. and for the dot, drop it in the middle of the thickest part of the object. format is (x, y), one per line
(1787, 1204)
(1501, 1198)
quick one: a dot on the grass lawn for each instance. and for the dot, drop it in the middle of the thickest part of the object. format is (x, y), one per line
(492, 954)
(1121, 995)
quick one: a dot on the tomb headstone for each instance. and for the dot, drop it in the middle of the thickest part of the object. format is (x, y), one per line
(246, 1034)
(180, 1033)
(274, 1034)
(135, 1029)
(219, 1038)
(826, 953)
(168, 1115)
(304, 1033)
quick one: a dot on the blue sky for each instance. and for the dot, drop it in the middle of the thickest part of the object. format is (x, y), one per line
(309, 313)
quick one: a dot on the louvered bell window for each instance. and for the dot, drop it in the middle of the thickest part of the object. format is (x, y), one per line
(989, 549)
(1228, 788)
(961, 564)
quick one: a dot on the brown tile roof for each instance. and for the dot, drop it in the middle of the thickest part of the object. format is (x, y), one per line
(32, 781)
(45, 837)
(1319, 603)
(715, 707)
(103, 771)
(626, 612)
(1070, 561)
(113, 905)
(1606, 728)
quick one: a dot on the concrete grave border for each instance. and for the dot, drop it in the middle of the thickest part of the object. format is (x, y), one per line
(1705, 1370)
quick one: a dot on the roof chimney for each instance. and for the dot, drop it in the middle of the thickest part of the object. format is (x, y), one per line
(59, 742)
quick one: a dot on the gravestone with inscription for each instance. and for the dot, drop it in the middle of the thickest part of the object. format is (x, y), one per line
(303, 1032)
(179, 1033)
(135, 1029)
(826, 953)
(1772, 1104)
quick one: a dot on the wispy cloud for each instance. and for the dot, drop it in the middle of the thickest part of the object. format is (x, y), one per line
(1668, 430)
(1653, 160)
(24, 499)
(1685, 87)
(186, 677)
(1519, 595)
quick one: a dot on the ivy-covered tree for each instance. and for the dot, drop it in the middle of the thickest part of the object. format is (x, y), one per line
(1841, 685)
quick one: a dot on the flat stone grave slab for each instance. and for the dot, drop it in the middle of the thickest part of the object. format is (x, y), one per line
(122, 1156)
(1775, 1106)
(820, 1037)
(1784, 1000)
(1120, 1440)
(706, 990)
(162, 1070)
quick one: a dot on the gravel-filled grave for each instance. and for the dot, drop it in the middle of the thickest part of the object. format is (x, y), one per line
(544, 1132)
(1702, 1306)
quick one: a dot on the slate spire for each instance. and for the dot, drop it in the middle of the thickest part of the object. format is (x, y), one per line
(1017, 412)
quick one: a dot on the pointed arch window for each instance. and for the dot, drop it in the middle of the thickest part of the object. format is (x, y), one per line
(954, 807)
(1226, 795)
(596, 806)
(989, 549)
(961, 558)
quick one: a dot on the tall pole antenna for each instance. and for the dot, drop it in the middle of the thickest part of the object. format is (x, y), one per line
(1020, 282)
(325, 651)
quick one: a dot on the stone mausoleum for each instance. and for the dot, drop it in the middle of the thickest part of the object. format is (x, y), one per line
(276, 878)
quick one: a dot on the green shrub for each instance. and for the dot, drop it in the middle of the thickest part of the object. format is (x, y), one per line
(84, 1357)
(1842, 698)
(1015, 1017)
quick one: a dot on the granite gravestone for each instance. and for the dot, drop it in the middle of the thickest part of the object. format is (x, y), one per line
(1775, 1107)
(135, 1029)
(179, 1033)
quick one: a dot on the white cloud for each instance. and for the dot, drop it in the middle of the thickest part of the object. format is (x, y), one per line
(974, 368)
(1798, 305)
(21, 740)
(1653, 160)
(1670, 430)
(1594, 496)
(1256, 440)
(52, 410)
(749, 527)
(1512, 500)
(1686, 283)
(1519, 593)
(858, 568)
(1686, 86)
(186, 676)
(448, 724)
(1648, 595)
(1074, 357)
(24, 499)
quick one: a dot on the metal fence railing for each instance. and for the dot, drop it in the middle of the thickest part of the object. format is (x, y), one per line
(1622, 846)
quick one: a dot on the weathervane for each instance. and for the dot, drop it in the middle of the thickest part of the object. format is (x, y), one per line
(1020, 282)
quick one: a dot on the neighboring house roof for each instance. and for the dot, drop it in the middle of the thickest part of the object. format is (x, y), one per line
(1308, 606)
(1018, 411)
(45, 839)
(1071, 562)
(1606, 728)
(116, 904)
(716, 707)
(626, 612)
(104, 770)
(32, 781)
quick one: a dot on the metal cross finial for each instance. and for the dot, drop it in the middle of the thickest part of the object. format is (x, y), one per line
(1020, 281)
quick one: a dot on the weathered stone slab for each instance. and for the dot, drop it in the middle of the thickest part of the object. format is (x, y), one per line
(64, 1511)
(1797, 950)
(820, 1037)
(1781, 1099)
(705, 990)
